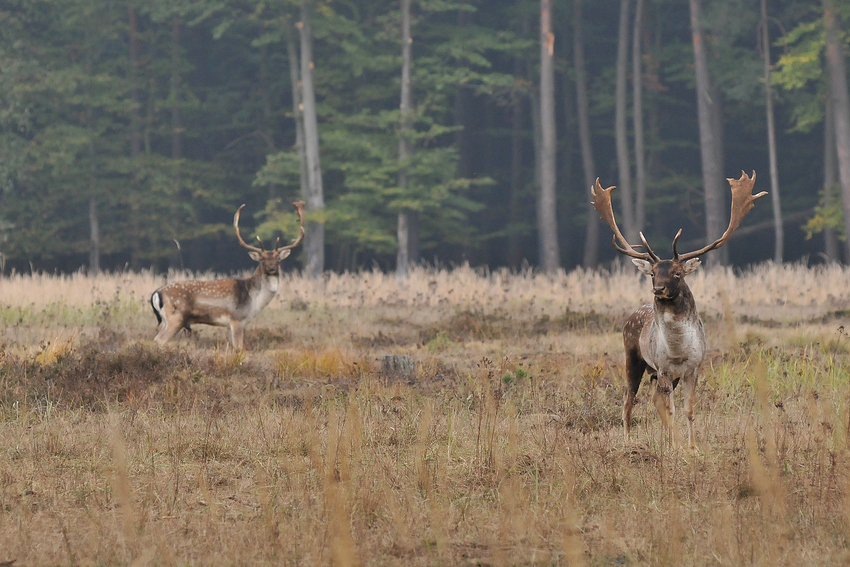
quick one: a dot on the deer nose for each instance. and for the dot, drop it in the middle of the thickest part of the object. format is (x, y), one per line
(658, 290)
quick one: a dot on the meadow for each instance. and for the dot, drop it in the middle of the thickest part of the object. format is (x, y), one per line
(502, 446)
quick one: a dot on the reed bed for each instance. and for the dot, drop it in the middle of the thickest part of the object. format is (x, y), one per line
(504, 447)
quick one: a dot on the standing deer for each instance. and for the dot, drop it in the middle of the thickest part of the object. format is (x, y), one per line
(666, 338)
(232, 302)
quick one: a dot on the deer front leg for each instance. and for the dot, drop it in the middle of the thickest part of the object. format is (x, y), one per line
(688, 389)
(237, 332)
(663, 398)
(635, 367)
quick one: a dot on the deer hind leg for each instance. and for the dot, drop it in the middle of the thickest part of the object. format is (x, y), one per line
(171, 325)
(635, 367)
(689, 389)
(663, 398)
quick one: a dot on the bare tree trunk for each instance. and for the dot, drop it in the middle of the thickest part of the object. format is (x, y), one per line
(297, 114)
(94, 238)
(547, 222)
(779, 234)
(513, 249)
(830, 180)
(720, 256)
(566, 158)
(135, 122)
(591, 235)
(461, 112)
(135, 152)
(405, 149)
(841, 104)
(653, 111)
(176, 119)
(712, 176)
(637, 103)
(150, 114)
(514, 252)
(314, 240)
(621, 131)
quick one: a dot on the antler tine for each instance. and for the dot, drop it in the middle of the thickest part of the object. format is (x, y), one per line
(239, 236)
(675, 240)
(299, 207)
(649, 251)
(742, 203)
(602, 204)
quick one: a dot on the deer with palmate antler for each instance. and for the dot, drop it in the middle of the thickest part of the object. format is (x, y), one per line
(231, 302)
(666, 338)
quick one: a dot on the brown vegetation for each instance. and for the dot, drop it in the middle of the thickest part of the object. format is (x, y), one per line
(505, 449)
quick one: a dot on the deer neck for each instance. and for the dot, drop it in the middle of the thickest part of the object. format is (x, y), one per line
(680, 308)
(262, 287)
(678, 328)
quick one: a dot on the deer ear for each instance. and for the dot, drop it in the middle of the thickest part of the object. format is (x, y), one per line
(643, 266)
(255, 256)
(281, 254)
(691, 265)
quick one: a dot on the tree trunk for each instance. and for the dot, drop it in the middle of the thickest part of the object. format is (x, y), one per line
(567, 151)
(779, 234)
(712, 176)
(841, 104)
(297, 114)
(135, 121)
(135, 148)
(832, 249)
(514, 252)
(176, 119)
(94, 238)
(461, 112)
(621, 131)
(591, 236)
(637, 103)
(405, 149)
(314, 240)
(720, 256)
(547, 223)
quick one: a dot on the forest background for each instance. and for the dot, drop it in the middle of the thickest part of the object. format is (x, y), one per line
(468, 131)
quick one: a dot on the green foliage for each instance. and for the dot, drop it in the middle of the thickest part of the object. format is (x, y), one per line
(829, 214)
(800, 70)
(208, 100)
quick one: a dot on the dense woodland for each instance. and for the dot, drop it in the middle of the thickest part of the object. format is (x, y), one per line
(416, 130)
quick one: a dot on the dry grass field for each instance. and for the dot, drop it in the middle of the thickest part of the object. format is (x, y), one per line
(504, 445)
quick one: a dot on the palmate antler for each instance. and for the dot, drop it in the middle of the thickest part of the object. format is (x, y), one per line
(742, 203)
(299, 208)
(602, 203)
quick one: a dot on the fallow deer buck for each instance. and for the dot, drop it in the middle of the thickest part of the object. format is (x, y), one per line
(666, 338)
(232, 302)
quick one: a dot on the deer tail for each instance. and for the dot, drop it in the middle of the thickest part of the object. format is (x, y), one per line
(156, 303)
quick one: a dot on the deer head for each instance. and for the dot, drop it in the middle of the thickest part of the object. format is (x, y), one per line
(269, 260)
(667, 273)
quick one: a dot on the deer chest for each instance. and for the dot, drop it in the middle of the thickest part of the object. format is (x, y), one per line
(673, 346)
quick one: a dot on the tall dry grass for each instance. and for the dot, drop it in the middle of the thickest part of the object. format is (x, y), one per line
(505, 447)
